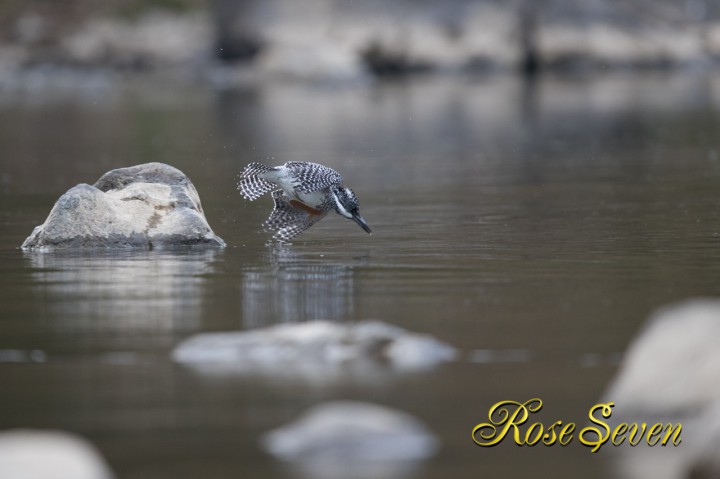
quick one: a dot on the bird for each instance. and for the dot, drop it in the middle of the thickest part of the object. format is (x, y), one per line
(303, 193)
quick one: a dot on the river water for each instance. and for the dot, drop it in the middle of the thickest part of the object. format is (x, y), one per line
(533, 226)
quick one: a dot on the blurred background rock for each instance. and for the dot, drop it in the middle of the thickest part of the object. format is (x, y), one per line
(344, 39)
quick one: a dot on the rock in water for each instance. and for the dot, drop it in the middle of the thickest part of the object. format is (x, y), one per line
(351, 433)
(29, 454)
(321, 347)
(144, 206)
(670, 376)
(673, 366)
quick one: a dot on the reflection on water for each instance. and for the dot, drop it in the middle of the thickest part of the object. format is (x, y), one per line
(293, 287)
(122, 291)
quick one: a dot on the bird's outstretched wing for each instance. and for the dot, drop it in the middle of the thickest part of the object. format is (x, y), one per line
(311, 177)
(251, 185)
(288, 221)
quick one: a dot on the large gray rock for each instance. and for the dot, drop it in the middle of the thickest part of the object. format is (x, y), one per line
(30, 454)
(314, 348)
(342, 438)
(144, 206)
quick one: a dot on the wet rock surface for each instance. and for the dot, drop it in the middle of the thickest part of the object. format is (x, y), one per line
(37, 454)
(320, 347)
(145, 206)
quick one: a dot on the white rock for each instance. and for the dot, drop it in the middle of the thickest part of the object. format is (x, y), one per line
(350, 432)
(670, 375)
(30, 454)
(703, 460)
(674, 364)
(318, 346)
(145, 206)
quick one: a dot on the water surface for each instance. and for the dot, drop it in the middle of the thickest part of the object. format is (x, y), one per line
(532, 226)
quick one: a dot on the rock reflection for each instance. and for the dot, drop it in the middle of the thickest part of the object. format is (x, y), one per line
(294, 287)
(123, 291)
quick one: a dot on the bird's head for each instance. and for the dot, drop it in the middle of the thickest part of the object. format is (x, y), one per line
(347, 205)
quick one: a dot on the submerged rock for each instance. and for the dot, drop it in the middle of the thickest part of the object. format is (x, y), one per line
(144, 206)
(351, 433)
(315, 346)
(30, 454)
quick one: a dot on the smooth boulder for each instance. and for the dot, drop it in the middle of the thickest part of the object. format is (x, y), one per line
(351, 433)
(670, 375)
(315, 347)
(38, 454)
(145, 206)
(673, 366)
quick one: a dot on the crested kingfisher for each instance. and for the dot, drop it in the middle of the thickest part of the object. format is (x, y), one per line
(303, 194)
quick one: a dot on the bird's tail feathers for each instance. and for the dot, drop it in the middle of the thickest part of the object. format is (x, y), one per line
(251, 186)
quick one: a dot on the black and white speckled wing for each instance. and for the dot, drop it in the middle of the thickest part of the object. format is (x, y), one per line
(287, 221)
(311, 177)
(251, 185)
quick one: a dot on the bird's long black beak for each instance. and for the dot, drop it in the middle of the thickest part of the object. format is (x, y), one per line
(358, 219)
